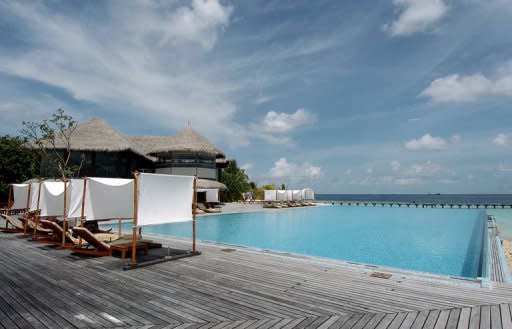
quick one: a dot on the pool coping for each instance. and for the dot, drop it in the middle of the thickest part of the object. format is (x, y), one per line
(335, 263)
(484, 281)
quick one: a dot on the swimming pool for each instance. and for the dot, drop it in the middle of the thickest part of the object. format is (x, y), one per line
(441, 241)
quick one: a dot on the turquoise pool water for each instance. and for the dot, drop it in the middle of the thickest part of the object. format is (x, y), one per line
(442, 241)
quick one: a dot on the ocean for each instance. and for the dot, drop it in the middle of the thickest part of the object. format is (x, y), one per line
(503, 216)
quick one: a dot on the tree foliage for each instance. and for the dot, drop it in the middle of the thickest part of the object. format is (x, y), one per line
(236, 180)
(43, 136)
(17, 163)
(259, 193)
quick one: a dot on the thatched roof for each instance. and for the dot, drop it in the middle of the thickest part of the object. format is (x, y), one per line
(186, 139)
(206, 183)
(97, 135)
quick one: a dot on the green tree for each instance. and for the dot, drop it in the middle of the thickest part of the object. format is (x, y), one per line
(17, 163)
(260, 191)
(236, 180)
(51, 138)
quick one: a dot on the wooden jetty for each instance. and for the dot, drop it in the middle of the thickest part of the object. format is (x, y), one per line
(44, 287)
(418, 204)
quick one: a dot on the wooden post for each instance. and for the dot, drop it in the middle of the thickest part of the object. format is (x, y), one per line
(38, 210)
(82, 210)
(9, 201)
(119, 228)
(194, 207)
(65, 215)
(135, 218)
(28, 209)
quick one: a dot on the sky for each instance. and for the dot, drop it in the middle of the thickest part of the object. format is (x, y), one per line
(389, 96)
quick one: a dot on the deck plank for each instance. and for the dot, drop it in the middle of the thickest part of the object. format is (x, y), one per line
(464, 317)
(442, 319)
(495, 317)
(485, 317)
(506, 317)
(240, 289)
(474, 320)
(453, 319)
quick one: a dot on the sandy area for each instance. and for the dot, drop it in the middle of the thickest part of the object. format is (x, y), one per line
(507, 247)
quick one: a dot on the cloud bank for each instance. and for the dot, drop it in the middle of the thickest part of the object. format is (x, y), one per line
(459, 88)
(416, 16)
(426, 142)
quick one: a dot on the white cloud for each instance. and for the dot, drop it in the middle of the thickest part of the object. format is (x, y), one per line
(282, 123)
(276, 126)
(122, 65)
(247, 166)
(200, 23)
(448, 181)
(416, 16)
(426, 142)
(457, 88)
(395, 165)
(284, 169)
(427, 169)
(501, 140)
(456, 139)
(263, 99)
(502, 170)
(454, 88)
(408, 181)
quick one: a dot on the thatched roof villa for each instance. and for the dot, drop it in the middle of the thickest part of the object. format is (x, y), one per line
(109, 153)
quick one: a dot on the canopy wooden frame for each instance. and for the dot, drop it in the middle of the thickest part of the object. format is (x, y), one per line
(10, 203)
(82, 213)
(36, 212)
(10, 200)
(133, 262)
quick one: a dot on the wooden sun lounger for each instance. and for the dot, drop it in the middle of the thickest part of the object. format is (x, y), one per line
(208, 210)
(99, 248)
(17, 225)
(40, 230)
(71, 241)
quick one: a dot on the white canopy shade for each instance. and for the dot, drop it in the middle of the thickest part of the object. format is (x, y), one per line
(164, 198)
(270, 195)
(52, 199)
(308, 194)
(281, 195)
(34, 192)
(76, 190)
(289, 195)
(105, 198)
(212, 194)
(20, 195)
(297, 195)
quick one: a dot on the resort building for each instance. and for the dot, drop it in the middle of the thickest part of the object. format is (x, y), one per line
(106, 152)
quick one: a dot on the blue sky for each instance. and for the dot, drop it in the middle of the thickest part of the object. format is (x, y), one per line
(391, 96)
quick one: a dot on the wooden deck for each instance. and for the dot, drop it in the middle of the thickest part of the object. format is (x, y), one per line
(497, 270)
(43, 287)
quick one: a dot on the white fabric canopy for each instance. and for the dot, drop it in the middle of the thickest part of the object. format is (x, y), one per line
(76, 190)
(308, 194)
(281, 195)
(107, 198)
(164, 198)
(34, 192)
(270, 195)
(212, 194)
(20, 195)
(289, 195)
(52, 199)
(297, 195)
